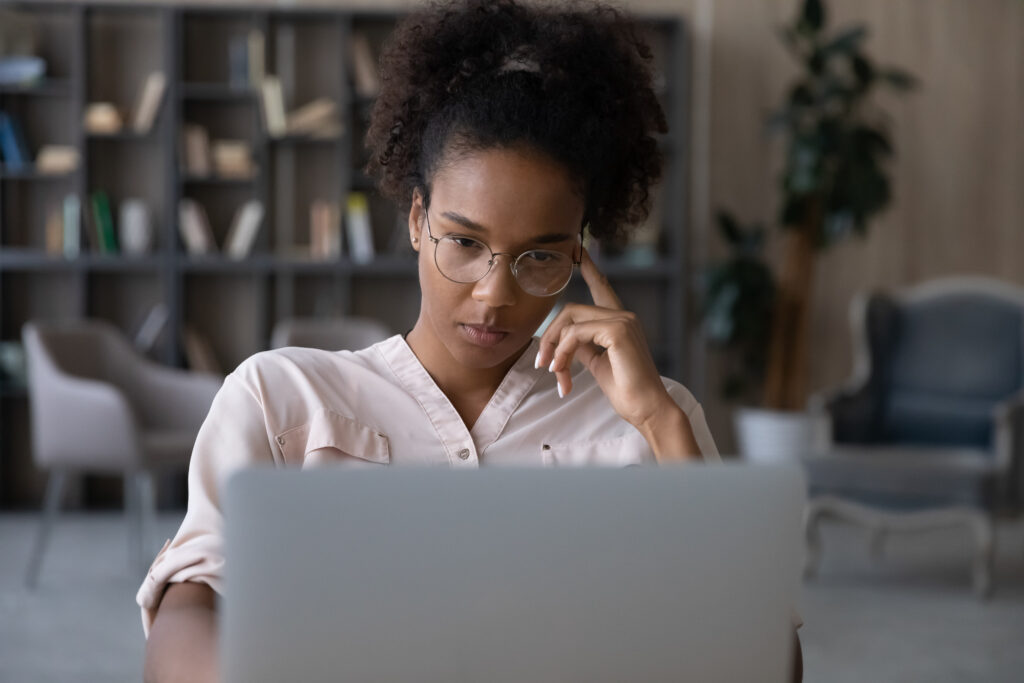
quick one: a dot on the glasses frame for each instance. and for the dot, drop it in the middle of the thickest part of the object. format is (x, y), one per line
(494, 254)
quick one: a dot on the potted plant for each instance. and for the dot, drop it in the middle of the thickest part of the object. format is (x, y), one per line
(834, 181)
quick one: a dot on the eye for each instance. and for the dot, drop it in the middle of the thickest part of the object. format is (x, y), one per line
(544, 257)
(464, 242)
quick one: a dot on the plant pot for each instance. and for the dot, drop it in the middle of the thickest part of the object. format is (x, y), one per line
(775, 436)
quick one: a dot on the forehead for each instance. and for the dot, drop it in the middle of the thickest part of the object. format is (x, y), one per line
(511, 188)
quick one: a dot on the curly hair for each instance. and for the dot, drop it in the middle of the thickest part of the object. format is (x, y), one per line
(571, 80)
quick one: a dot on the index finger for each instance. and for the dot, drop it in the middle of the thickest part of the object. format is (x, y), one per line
(600, 289)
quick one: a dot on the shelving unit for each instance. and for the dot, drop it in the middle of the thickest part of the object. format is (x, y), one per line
(104, 52)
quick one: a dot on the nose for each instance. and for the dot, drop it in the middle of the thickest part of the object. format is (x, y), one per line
(499, 286)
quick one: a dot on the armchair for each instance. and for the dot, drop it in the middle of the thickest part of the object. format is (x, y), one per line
(929, 431)
(96, 405)
(332, 334)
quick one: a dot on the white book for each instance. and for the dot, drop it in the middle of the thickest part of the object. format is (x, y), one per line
(244, 227)
(149, 102)
(358, 229)
(72, 226)
(313, 116)
(151, 327)
(364, 67)
(257, 58)
(273, 106)
(196, 150)
(195, 227)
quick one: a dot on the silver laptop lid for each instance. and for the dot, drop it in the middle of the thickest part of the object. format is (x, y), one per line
(652, 574)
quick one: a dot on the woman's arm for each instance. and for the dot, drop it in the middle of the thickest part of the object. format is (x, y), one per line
(182, 643)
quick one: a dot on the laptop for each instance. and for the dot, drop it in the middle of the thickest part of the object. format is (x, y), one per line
(683, 573)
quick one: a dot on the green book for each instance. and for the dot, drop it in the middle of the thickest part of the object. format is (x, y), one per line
(104, 223)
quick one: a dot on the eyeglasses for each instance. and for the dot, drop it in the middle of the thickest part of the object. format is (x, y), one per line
(538, 272)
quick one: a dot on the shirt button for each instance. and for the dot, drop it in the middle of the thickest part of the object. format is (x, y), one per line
(280, 440)
(464, 454)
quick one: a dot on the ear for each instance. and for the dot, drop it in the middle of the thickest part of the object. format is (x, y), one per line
(416, 215)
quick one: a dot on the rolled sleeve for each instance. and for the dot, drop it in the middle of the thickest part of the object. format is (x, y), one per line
(233, 436)
(695, 414)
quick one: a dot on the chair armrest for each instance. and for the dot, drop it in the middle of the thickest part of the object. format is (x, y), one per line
(82, 424)
(172, 399)
(853, 411)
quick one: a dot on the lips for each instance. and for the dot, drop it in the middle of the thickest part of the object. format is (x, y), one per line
(483, 335)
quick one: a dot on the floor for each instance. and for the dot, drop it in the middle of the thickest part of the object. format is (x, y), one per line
(909, 616)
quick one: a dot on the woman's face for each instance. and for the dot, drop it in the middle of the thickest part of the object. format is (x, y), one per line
(512, 200)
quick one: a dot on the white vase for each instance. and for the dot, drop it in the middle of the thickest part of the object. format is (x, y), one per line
(775, 436)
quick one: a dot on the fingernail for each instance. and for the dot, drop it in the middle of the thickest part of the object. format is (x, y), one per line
(536, 363)
(561, 394)
(551, 368)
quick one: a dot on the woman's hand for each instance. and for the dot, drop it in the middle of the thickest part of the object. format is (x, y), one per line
(609, 341)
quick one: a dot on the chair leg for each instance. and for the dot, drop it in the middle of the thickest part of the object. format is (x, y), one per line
(812, 537)
(984, 533)
(146, 512)
(54, 494)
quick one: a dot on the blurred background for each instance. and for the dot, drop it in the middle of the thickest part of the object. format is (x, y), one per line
(834, 265)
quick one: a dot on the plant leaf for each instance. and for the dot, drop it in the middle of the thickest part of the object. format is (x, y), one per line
(899, 79)
(729, 228)
(813, 15)
(848, 40)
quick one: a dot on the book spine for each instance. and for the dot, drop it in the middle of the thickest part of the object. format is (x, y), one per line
(360, 234)
(10, 149)
(104, 223)
(72, 226)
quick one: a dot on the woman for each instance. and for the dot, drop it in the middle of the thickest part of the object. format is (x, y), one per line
(506, 131)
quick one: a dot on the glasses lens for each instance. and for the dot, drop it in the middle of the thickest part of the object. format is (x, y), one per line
(462, 259)
(543, 273)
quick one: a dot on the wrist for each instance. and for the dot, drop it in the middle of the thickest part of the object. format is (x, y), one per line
(669, 434)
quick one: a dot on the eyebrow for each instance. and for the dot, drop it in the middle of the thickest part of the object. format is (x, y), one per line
(550, 238)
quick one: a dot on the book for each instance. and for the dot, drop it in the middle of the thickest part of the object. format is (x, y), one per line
(196, 150)
(232, 159)
(57, 159)
(256, 57)
(72, 226)
(104, 223)
(13, 145)
(358, 228)
(102, 118)
(273, 106)
(244, 227)
(198, 353)
(54, 232)
(149, 102)
(135, 227)
(152, 325)
(364, 67)
(324, 230)
(238, 62)
(194, 226)
(314, 117)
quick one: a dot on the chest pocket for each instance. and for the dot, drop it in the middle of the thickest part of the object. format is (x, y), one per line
(330, 438)
(631, 449)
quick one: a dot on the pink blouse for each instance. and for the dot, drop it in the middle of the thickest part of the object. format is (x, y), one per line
(299, 407)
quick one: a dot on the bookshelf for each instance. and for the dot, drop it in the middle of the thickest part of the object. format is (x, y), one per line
(104, 53)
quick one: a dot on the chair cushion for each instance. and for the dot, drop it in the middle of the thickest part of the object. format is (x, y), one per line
(906, 477)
